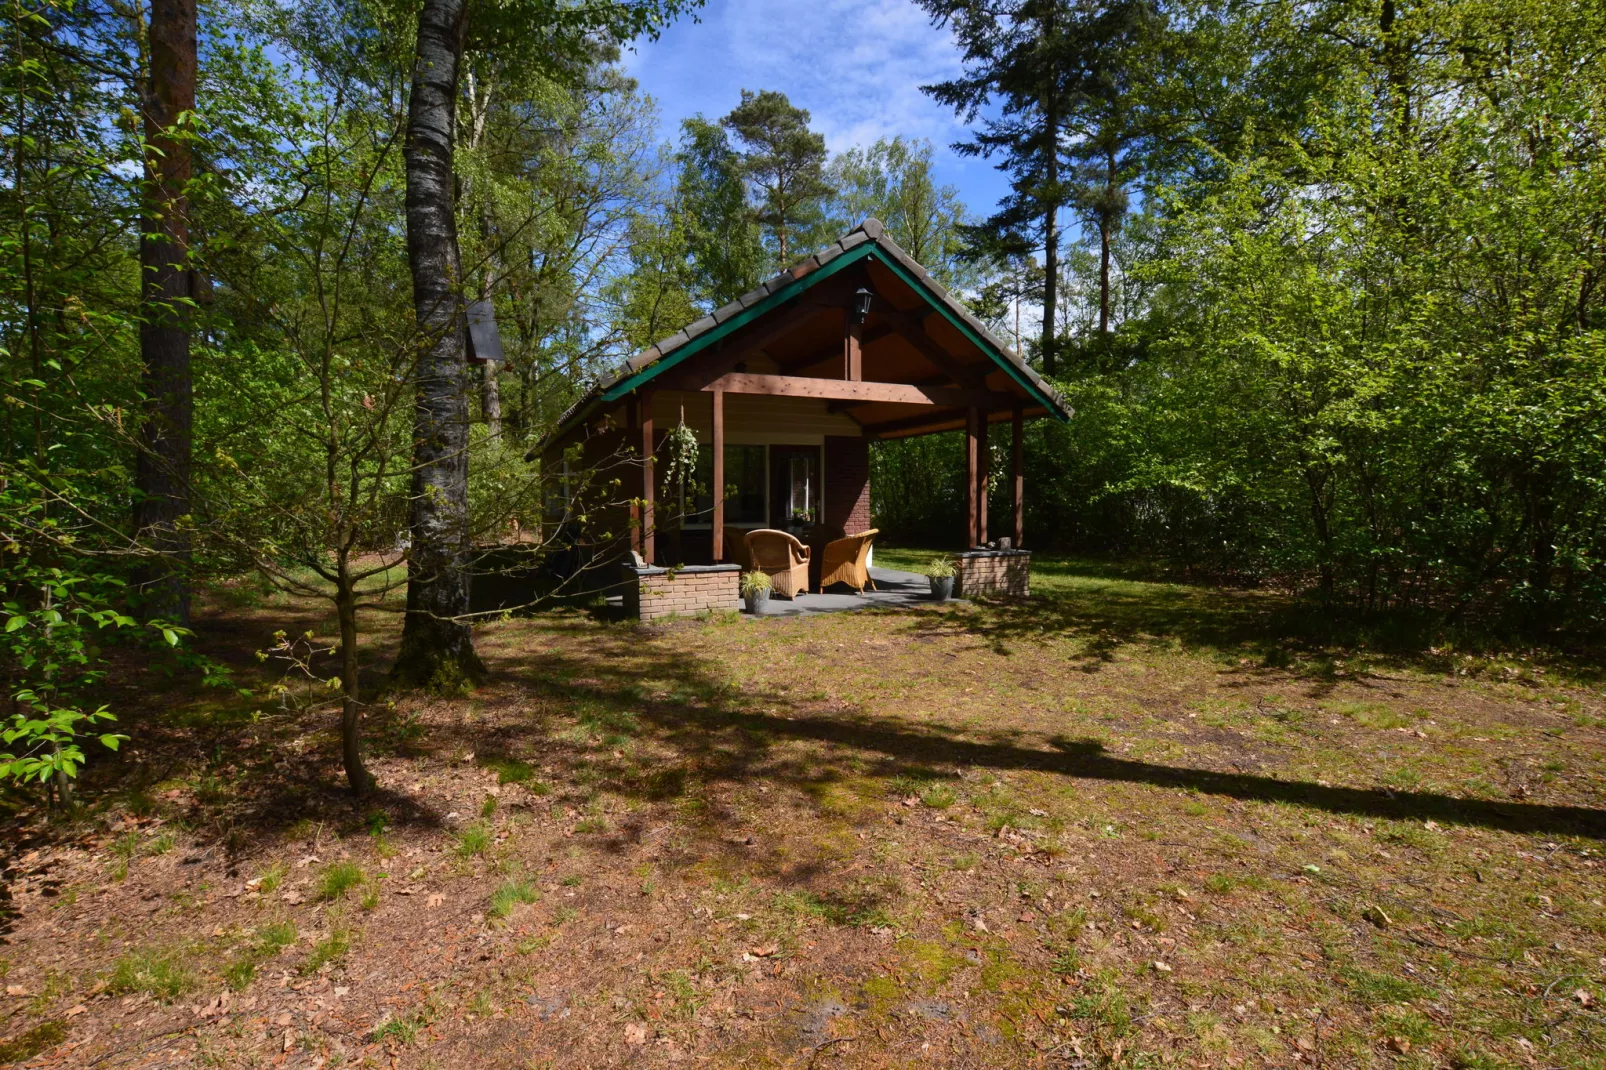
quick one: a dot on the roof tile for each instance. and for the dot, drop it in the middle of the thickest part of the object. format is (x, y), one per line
(707, 323)
(726, 312)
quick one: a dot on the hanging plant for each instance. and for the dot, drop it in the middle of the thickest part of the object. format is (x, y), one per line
(680, 449)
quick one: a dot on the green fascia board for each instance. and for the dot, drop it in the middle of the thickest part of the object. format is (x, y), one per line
(867, 251)
(735, 323)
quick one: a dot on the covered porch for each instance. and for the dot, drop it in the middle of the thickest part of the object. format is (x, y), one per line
(760, 417)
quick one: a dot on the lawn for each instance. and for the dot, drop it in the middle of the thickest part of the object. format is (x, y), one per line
(1125, 823)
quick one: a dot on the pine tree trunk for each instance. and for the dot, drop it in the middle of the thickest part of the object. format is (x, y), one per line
(1051, 236)
(162, 470)
(1106, 229)
(437, 647)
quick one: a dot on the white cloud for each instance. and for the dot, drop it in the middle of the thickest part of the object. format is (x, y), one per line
(856, 65)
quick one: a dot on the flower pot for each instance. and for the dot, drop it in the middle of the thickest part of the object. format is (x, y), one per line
(942, 587)
(757, 601)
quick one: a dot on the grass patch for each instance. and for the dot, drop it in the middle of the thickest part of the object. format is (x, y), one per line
(269, 941)
(402, 1029)
(40, 1038)
(1377, 989)
(338, 879)
(473, 840)
(510, 895)
(269, 882)
(328, 951)
(161, 975)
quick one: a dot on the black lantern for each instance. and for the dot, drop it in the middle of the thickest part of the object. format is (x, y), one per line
(861, 304)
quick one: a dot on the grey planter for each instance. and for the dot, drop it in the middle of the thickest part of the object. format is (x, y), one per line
(942, 587)
(756, 603)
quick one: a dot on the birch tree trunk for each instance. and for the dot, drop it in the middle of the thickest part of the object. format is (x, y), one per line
(437, 647)
(162, 470)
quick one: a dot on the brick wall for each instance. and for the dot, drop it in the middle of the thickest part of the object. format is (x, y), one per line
(993, 574)
(659, 592)
(847, 483)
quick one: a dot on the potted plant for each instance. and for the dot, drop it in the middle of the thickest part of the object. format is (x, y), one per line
(940, 574)
(756, 591)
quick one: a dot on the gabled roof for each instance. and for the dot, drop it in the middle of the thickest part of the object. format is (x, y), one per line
(869, 240)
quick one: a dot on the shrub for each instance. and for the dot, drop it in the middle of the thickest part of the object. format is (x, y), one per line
(940, 568)
(755, 582)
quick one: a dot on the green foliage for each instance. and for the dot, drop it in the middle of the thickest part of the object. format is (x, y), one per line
(893, 181)
(783, 163)
(940, 568)
(755, 582)
(725, 248)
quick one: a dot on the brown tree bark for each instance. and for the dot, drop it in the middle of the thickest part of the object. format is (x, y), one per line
(1106, 230)
(437, 646)
(1051, 235)
(162, 470)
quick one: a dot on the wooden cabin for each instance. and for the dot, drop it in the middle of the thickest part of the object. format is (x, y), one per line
(785, 388)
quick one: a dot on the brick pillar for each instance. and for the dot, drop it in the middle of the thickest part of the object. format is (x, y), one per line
(846, 503)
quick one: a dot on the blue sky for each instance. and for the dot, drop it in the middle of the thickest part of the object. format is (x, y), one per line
(856, 65)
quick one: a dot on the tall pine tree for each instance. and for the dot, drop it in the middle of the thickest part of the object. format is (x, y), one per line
(1012, 56)
(784, 164)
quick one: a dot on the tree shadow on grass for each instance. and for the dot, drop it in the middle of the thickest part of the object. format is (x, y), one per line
(1272, 630)
(720, 733)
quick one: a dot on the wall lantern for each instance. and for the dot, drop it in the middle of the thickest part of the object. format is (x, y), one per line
(861, 304)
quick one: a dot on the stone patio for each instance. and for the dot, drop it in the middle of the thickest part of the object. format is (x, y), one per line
(893, 588)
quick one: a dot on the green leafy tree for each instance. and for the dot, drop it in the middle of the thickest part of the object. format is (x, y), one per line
(724, 242)
(892, 180)
(1014, 88)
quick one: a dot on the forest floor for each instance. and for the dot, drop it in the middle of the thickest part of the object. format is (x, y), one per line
(1124, 823)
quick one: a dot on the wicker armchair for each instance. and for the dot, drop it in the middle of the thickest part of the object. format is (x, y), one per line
(783, 557)
(736, 547)
(848, 561)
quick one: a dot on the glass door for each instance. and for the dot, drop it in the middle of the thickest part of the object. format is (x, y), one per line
(794, 488)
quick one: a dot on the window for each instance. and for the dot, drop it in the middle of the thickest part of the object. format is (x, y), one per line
(744, 488)
(744, 485)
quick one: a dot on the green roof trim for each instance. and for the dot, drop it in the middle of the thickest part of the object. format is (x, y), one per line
(980, 343)
(782, 295)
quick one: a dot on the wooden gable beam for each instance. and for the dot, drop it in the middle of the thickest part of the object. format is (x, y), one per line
(799, 386)
(913, 328)
(917, 423)
(738, 348)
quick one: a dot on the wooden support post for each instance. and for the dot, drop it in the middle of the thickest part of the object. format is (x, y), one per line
(970, 477)
(718, 447)
(633, 434)
(648, 540)
(1017, 478)
(853, 350)
(984, 469)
